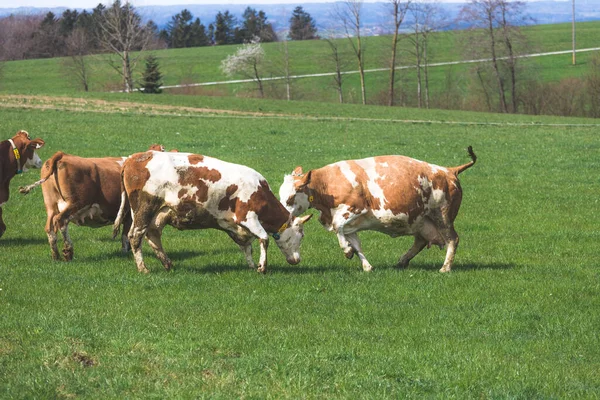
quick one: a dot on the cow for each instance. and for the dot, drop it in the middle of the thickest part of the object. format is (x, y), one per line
(396, 195)
(84, 191)
(16, 154)
(192, 191)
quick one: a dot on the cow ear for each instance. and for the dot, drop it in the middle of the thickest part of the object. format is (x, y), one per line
(304, 181)
(297, 171)
(36, 143)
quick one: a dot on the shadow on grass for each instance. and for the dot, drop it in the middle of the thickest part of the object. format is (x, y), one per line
(22, 241)
(458, 267)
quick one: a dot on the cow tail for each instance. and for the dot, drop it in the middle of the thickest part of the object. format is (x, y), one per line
(123, 208)
(461, 168)
(51, 163)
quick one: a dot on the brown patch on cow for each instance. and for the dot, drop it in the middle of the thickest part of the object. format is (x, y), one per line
(346, 215)
(271, 213)
(228, 203)
(195, 158)
(141, 157)
(193, 177)
(208, 174)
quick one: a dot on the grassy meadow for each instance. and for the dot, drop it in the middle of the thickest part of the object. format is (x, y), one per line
(198, 65)
(516, 318)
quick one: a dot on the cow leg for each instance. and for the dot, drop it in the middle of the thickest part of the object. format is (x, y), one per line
(125, 246)
(262, 263)
(345, 245)
(68, 243)
(153, 235)
(3, 199)
(416, 248)
(355, 243)
(2, 225)
(247, 250)
(254, 226)
(451, 238)
(136, 235)
(51, 233)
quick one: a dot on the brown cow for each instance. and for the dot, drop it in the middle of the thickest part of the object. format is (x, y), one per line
(191, 191)
(85, 191)
(15, 155)
(395, 195)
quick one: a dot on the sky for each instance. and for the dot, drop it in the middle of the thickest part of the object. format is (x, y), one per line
(138, 3)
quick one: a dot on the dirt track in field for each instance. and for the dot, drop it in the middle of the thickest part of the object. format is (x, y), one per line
(103, 106)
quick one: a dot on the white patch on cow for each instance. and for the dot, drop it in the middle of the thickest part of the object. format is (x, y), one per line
(287, 190)
(34, 162)
(369, 166)
(347, 172)
(436, 168)
(164, 180)
(438, 196)
(122, 161)
(62, 205)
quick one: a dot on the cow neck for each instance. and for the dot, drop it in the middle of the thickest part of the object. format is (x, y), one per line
(17, 155)
(279, 219)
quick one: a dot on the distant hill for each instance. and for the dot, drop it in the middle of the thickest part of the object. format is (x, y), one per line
(374, 14)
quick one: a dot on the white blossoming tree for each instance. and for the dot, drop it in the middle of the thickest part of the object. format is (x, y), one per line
(246, 62)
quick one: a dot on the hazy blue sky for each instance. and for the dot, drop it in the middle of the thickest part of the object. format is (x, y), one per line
(137, 3)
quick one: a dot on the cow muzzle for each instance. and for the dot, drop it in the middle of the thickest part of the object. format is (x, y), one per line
(293, 260)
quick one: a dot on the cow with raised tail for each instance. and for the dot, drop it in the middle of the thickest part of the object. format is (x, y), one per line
(395, 195)
(83, 191)
(16, 154)
(191, 191)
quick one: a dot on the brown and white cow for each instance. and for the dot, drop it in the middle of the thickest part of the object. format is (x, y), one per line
(191, 191)
(16, 154)
(395, 195)
(84, 191)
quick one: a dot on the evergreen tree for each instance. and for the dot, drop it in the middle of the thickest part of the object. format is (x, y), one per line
(152, 77)
(198, 35)
(255, 25)
(225, 28)
(179, 29)
(302, 25)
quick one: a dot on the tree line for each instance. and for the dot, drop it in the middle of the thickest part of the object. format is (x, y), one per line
(50, 35)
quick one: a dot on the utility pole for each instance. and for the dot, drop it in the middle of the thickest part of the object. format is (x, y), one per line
(573, 32)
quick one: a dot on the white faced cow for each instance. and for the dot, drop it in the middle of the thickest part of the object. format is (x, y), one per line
(190, 191)
(395, 195)
(16, 154)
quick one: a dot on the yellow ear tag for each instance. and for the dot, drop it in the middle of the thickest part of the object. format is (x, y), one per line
(283, 228)
(311, 199)
(17, 154)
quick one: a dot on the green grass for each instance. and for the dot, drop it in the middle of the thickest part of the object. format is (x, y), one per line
(195, 65)
(517, 317)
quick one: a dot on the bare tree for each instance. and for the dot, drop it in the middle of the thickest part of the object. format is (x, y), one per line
(121, 32)
(494, 35)
(246, 61)
(349, 14)
(398, 12)
(427, 19)
(17, 33)
(78, 64)
(338, 59)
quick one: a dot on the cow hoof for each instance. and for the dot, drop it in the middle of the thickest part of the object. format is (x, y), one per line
(367, 268)
(262, 270)
(402, 265)
(68, 254)
(143, 270)
(445, 269)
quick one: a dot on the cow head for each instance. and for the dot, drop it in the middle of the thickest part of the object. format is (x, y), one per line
(289, 239)
(27, 150)
(293, 193)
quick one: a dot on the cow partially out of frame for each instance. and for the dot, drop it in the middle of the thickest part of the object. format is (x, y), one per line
(192, 191)
(395, 195)
(16, 154)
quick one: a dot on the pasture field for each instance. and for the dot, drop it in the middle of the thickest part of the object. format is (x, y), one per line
(516, 318)
(196, 65)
